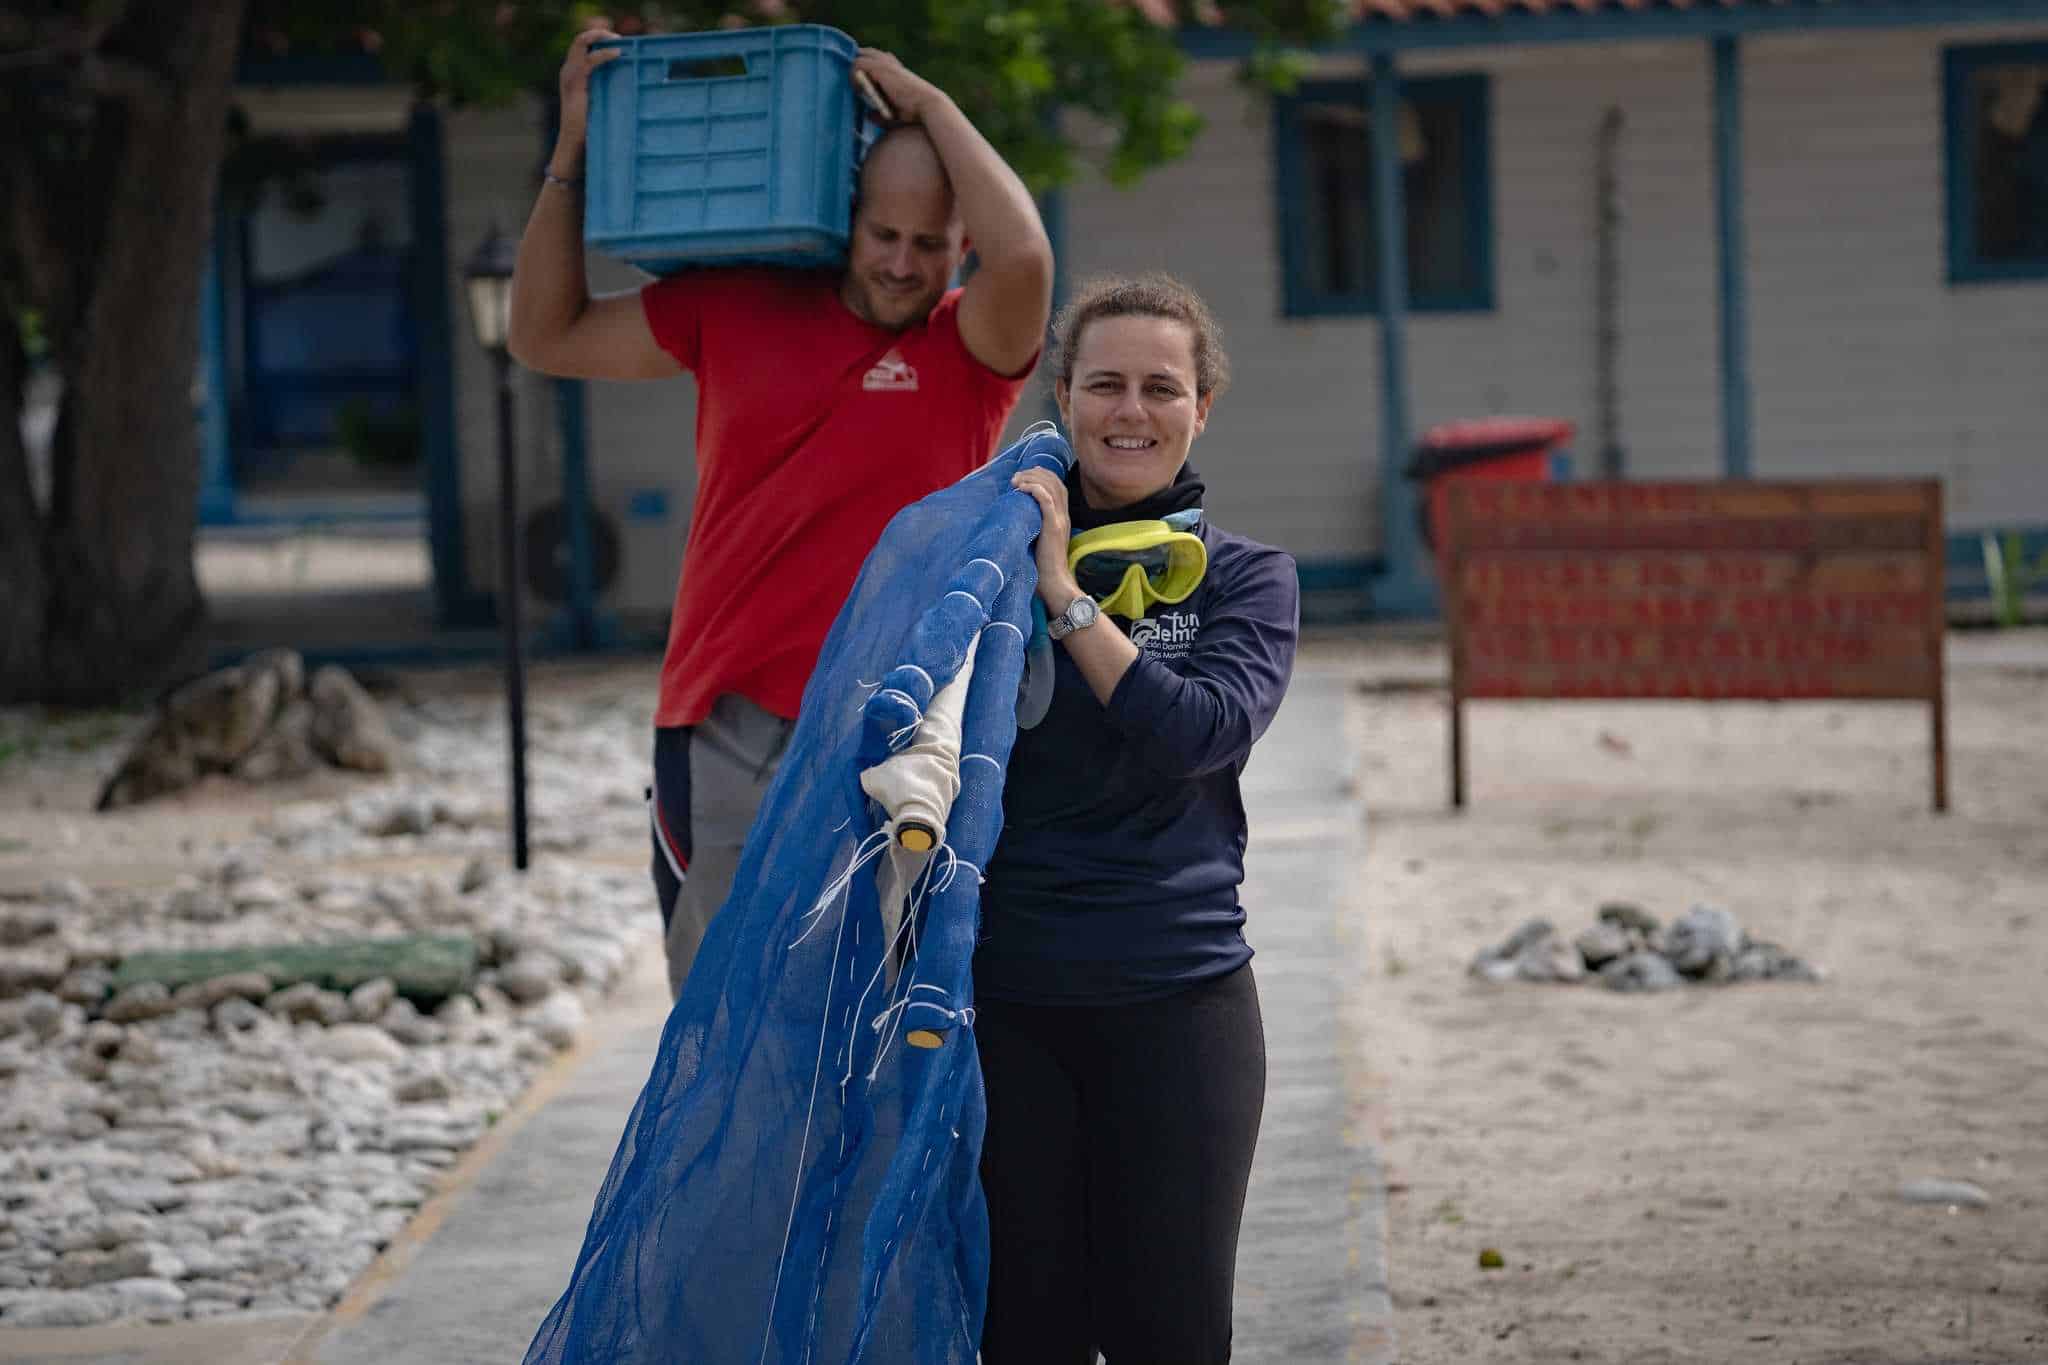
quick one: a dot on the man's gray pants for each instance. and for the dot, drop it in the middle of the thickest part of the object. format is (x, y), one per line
(709, 779)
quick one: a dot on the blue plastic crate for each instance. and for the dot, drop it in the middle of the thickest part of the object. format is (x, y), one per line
(728, 147)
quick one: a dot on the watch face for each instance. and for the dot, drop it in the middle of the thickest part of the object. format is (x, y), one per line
(1083, 612)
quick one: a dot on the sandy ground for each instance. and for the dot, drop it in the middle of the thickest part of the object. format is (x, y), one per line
(1712, 1175)
(1702, 1176)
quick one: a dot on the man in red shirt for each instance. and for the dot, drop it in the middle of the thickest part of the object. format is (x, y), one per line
(826, 402)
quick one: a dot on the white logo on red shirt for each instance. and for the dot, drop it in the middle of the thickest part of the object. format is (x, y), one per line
(892, 373)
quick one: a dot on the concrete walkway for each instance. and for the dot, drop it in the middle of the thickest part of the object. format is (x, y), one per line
(473, 1275)
(1312, 1262)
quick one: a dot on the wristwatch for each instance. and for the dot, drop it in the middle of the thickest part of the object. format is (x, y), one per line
(1079, 615)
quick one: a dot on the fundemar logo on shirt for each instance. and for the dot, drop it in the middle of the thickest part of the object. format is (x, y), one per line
(892, 373)
(1169, 635)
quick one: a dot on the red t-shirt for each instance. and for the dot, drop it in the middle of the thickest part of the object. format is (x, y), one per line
(813, 429)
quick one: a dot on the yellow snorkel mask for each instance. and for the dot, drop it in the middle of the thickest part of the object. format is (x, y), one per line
(1129, 565)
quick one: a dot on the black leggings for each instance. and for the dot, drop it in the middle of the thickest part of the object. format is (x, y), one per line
(1119, 1142)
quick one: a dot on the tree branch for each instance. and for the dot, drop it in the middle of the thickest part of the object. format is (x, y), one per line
(38, 245)
(123, 79)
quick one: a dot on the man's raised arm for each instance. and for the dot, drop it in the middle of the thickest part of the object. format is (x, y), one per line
(557, 327)
(1004, 308)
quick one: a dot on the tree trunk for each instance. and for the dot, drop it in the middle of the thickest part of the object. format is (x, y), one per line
(21, 530)
(119, 601)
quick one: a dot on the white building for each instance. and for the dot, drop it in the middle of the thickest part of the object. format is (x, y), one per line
(1794, 239)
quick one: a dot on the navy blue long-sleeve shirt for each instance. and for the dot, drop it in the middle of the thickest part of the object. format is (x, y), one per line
(1122, 851)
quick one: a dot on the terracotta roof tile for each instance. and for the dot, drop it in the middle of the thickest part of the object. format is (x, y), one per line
(1207, 13)
(1403, 10)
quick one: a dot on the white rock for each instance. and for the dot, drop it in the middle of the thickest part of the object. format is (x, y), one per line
(117, 1229)
(557, 1019)
(456, 1013)
(1959, 1193)
(301, 1224)
(37, 967)
(368, 1001)
(147, 1297)
(192, 900)
(61, 1308)
(416, 1133)
(85, 986)
(421, 1087)
(1496, 969)
(476, 875)
(530, 977)
(396, 1194)
(153, 1260)
(67, 891)
(258, 893)
(205, 1260)
(26, 925)
(236, 1015)
(359, 1043)
(204, 995)
(84, 1126)
(137, 1196)
(1704, 939)
(220, 1292)
(143, 1000)
(308, 1002)
(42, 1014)
(408, 1026)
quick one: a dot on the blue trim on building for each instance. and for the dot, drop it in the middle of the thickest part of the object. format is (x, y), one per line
(1560, 24)
(1337, 591)
(1732, 251)
(1959, 137)
(1469, 96)
(216, 474)
(1966, 577)
(454, 603)
(582, 625)
(1406, 588)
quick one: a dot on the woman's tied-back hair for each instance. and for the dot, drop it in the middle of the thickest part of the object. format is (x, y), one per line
(1153, 295)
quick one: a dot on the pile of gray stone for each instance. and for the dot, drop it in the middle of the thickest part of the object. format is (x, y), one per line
(259, 720)
(1628, 949)
(244, 1144)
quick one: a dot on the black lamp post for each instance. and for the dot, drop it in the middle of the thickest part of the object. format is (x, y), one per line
(488, 282)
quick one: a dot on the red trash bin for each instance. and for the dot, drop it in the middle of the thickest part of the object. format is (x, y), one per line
(1509, 449)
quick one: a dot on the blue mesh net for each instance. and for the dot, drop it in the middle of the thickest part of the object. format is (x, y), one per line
(798, 1181)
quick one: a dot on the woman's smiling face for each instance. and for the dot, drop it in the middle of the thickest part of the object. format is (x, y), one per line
(1131, 407)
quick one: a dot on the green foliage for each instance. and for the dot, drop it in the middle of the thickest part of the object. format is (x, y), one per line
(35, 341)
(379, 440)
(28, 734)
(1007, 62)
(2010, 576)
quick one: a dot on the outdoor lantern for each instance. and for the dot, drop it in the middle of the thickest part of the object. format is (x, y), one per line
(488, 282)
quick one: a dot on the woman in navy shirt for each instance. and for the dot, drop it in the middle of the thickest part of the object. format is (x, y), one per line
(1117, 1020)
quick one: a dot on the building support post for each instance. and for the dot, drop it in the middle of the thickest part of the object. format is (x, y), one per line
(1405, 586)
(1733, 254)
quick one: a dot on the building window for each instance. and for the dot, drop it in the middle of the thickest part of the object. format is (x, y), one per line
(1997, 101)
(1328, 243)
